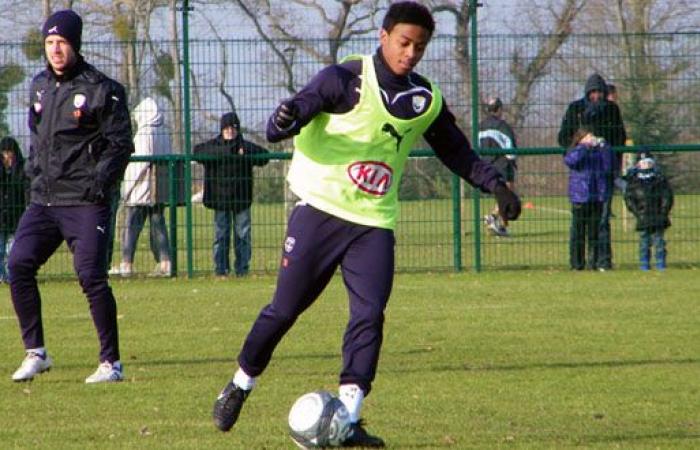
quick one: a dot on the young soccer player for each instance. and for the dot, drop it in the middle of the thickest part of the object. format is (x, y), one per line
(354, 125)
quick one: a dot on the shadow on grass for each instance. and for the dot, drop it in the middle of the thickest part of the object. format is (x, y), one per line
(554, 365)
(670, 435)
(213, 360)
(385, 368)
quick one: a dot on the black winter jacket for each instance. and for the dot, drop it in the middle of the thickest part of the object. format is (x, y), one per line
(604, 118)
(650, 198)
(80, 136)
(228, 180)
(13, 192)
(495, 132)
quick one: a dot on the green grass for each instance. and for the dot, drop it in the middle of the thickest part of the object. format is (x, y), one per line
(508, 359)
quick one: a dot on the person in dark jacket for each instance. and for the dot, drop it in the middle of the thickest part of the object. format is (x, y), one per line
(13, 188)
(354, 124)
(603, 118)
(589, 160)
(80, 142)
(228, 190)
(495, 132)
(650, 198)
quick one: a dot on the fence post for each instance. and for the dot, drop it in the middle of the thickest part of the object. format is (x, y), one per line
(172, 201)
(473, 5)
(457, 223)
(188, 134)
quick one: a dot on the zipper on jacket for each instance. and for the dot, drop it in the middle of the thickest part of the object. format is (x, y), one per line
(51, 128)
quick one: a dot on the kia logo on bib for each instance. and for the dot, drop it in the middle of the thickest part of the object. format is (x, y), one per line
(374, 177)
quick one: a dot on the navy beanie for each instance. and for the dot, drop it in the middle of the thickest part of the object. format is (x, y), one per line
(67, 24)
(230, 120)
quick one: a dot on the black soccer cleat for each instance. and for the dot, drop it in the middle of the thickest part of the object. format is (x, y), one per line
(228, 406)
(358, 437)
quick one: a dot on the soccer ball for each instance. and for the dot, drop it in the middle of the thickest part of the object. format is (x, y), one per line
(319, 419)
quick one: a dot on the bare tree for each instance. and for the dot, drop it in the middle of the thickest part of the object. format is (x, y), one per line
(277, 24)
(461, 11)
(528, 70)
(647, 74)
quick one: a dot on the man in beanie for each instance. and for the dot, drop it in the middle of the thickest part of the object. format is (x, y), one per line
(228, 190)
(80, 142)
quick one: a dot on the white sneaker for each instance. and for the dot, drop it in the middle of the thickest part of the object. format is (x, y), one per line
(125, 269)
(33, 364)
(493, 223)
(106, 373)
(161, 270)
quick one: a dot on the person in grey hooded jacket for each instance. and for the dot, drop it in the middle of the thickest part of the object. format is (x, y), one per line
(145, 189)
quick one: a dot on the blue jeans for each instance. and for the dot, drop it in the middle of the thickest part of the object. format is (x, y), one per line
(222, 241)
(6, 240)
(135, 219)
(646, 240)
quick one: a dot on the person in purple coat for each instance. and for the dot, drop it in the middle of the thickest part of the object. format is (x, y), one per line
(590, 161)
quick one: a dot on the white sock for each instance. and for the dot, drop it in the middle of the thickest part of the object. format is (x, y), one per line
(41, 351)
(352, 396)
(243, 380)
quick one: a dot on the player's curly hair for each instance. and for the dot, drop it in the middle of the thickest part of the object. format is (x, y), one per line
(408, 12)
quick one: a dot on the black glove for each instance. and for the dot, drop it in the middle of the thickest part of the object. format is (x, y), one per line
(95, 194)
(285, 115)
(508, 203)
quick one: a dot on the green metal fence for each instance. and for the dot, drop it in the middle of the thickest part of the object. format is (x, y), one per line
(657, 76)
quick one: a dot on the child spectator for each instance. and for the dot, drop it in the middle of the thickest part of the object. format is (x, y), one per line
(13, 186)
(650, 198)
(590, 162)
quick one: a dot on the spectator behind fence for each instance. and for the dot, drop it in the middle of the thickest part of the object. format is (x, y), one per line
(589, 160)
(13, 198)
(650, 198)
(145, 190)
(228, 190)
(354, 125)
(612, 93)
(80, 142)
(603, 118)
(495, 132)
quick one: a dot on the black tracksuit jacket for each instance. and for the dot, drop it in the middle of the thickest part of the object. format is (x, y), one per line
(80, 136)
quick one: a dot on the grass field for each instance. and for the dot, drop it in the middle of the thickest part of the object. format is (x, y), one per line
(508, 359)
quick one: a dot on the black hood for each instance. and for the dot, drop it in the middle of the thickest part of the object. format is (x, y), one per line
(596, 83)
(9, 143)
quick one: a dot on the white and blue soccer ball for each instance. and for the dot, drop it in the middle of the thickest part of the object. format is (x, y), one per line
(319, 419)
